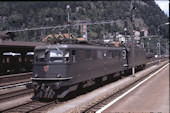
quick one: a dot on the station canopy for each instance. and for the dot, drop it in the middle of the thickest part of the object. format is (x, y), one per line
(18, 46)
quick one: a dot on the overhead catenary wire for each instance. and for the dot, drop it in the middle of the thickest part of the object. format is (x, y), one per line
(63, 26)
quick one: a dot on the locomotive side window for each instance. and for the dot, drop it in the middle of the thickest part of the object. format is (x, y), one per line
(113, 54)
(99, 54)
(66, 56)
(105, 53)
(85, 54)
(116, 54)
(73, 52)
(82, 54)
(94, 54)
(56, 55)
(109, 54)
(119, 54)
(40, 56)
(88, 54)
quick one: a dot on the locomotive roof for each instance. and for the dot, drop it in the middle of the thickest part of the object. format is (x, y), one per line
(76, 46)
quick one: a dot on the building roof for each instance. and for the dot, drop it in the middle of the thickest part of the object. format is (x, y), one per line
(17, 46)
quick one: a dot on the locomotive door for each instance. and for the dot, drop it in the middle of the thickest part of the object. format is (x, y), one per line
(125, 58)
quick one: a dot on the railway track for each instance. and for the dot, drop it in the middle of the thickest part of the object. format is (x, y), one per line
(153, 62)
(94, 107)
(15, 94)
(7, 81)
(29, 107)
(13, 85)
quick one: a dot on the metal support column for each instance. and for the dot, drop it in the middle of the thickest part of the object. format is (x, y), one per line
(132, 36)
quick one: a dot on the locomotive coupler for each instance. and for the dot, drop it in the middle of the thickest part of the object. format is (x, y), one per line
(55, 86)
(31, 85)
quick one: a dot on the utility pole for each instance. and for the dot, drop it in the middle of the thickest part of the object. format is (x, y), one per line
(158, 44)
(167, 49)
(148, 45)
(68, 19)
(125, 30)
(132, 36)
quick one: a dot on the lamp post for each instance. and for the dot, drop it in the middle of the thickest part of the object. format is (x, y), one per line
(68, 16)
(158, 44)
(68, 19)
(125, 30)
(148, 45)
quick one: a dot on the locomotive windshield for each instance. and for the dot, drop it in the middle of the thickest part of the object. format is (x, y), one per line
(59, 55)
(56, 56)
(53, 55)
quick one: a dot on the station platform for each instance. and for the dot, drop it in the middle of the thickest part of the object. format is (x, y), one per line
(151, 96)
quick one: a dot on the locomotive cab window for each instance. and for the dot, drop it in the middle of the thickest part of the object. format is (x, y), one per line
(40, 56)
(56, 55)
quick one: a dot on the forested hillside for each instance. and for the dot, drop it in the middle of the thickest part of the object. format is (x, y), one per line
(21, 15)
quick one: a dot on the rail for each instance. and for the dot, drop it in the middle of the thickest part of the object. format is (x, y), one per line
(15, 94)
(15, 78)
(28, 107)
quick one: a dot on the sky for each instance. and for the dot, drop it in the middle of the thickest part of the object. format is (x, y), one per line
(164, 5)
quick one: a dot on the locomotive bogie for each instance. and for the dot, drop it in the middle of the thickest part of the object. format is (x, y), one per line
(51, 89)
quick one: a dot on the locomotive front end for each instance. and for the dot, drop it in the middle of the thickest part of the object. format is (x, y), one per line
(50, 72)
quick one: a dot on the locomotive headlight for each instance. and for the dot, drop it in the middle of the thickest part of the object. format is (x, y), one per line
(58, 76)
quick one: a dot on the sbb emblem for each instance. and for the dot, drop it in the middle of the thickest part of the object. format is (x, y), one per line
(46, 68)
